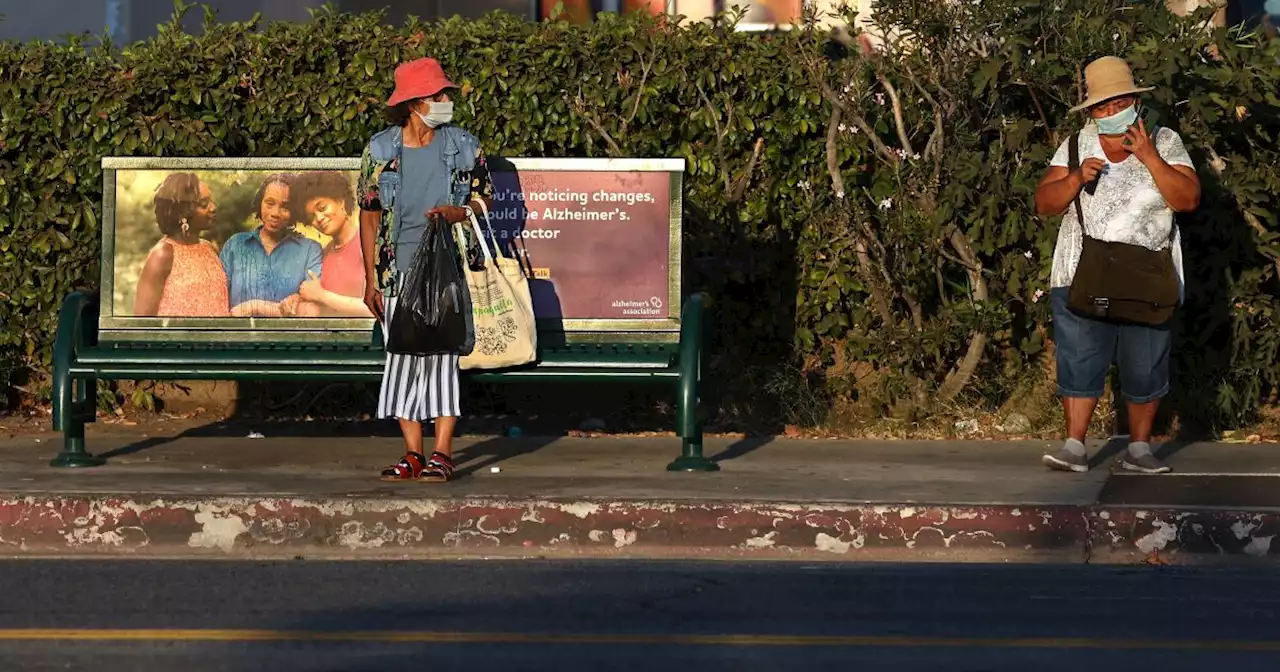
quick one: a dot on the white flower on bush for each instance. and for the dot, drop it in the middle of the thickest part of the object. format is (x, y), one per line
(1028, 255)
(804, 184)
(879, 98)
(1035, 298)
(840, 195)
(886, 204)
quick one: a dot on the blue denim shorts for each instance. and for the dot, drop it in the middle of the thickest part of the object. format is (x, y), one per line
(1087, 347)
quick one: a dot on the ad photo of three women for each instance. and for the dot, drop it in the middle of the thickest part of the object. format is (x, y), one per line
(238, 243)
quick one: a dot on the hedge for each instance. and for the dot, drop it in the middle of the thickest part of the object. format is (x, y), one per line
(863, 216)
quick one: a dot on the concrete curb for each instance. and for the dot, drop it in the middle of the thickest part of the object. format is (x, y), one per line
(251, 527)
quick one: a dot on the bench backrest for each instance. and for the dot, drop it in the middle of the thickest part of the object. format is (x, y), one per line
(599, 237)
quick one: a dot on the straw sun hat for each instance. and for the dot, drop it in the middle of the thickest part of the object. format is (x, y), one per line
(1106, 78)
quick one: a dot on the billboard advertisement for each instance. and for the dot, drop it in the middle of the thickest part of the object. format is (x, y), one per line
(255, 247)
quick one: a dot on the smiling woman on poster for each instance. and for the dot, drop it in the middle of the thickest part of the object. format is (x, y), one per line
(182, 275)
(327, 203)
(267, 266)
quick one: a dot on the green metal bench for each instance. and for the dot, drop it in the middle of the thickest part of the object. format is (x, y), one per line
(80, 360)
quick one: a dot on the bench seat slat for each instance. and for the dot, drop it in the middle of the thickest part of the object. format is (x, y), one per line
(180, 357)
(352, 373)
(109, 357)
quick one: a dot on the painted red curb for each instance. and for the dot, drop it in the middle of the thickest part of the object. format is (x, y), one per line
(354, 527)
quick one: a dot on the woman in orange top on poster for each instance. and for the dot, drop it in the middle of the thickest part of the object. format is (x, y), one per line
(183, 276)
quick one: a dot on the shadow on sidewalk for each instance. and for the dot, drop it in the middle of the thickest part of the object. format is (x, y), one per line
(491, 452)
(1109, 452)
(1186, 432)
(1117, 444)
(741, 448)
(471, 459)
(268, 429)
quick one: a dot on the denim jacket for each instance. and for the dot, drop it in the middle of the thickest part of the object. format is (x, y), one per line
(379, 184)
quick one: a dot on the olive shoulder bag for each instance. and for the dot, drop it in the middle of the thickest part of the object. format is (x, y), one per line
(1119, 282)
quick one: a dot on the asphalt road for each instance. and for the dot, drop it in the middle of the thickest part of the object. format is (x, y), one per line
(518, 616)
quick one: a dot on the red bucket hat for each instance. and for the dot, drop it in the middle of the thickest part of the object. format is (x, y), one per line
(419, 79)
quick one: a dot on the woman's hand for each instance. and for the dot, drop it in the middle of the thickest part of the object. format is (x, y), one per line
(373, 301)
(1089, 170)
(289, 306)
(451, 213)
(1138, 143)
(310, 290)
(257, 308)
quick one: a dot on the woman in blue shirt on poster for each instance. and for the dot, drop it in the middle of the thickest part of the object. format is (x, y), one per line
(266, 266)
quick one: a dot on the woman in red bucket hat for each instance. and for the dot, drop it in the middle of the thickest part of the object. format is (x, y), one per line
(419, 169)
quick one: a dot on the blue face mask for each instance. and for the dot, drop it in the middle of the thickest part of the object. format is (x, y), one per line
(1119, 122)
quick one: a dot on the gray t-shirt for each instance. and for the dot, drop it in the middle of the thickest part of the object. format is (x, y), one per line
(424, 184)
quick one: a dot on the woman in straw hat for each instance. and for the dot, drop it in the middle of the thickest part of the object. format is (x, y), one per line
(420, 169)
(1124, 186)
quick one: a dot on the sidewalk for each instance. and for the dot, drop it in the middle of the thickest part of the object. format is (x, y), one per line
(214, 491)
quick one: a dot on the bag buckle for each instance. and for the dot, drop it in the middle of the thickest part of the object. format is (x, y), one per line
(1101, 306)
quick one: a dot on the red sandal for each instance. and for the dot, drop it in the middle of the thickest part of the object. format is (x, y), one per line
(439, 469)
(409, 468)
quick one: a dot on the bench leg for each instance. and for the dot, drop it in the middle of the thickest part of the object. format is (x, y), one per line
(691, 458)
(70, 399)
(689, 427)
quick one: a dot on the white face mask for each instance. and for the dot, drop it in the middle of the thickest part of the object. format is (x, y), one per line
(438, 114)
(1119, 122)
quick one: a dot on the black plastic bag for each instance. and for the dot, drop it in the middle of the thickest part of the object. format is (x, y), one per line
(432, 311)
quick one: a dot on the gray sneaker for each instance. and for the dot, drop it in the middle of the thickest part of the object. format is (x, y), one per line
(1065, 460)
(1146, 464)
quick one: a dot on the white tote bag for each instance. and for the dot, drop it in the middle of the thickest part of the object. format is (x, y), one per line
(501, 307)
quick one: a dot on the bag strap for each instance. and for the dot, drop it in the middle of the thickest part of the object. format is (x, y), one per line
(1073, 162)
(488, 226)
(480, 240)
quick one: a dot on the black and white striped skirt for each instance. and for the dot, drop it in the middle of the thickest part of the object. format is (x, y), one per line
(418, 388)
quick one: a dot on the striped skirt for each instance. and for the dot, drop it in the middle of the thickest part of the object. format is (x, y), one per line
(415, 387)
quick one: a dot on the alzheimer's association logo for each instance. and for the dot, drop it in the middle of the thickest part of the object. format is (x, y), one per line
(651, 307)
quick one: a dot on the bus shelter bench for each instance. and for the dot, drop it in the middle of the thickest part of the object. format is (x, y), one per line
(80, 360)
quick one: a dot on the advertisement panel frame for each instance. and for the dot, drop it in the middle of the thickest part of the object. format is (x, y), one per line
(114, 327)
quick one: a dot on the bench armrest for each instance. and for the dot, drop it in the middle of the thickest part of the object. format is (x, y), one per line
(692, 336)
(692, 318)
(76, 320)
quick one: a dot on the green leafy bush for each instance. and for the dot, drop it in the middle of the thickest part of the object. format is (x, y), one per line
(863, 218)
